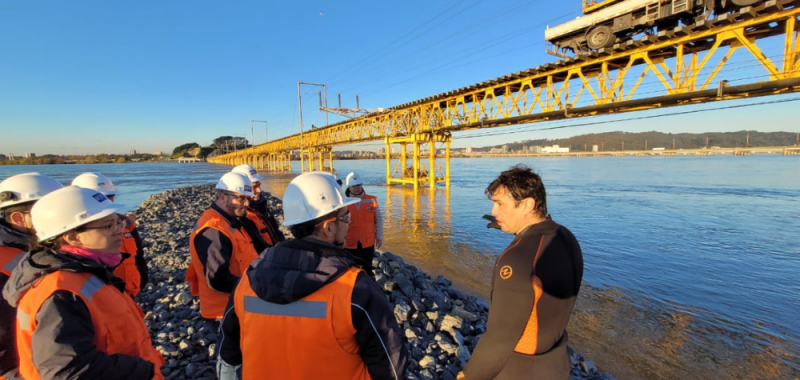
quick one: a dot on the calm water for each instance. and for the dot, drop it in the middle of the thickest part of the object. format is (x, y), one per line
(691, 262)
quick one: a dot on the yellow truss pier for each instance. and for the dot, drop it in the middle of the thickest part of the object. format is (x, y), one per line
(682, 63)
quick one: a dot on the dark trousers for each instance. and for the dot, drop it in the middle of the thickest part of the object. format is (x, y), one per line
(366, 255)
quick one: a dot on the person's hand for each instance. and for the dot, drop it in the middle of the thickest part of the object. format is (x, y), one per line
(492, 222)
(378, 244)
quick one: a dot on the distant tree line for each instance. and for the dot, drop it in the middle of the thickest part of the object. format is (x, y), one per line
(613, 141)
(220, 145)
(49, 159)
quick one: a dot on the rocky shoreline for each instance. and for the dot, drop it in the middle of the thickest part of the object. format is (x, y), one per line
(442, 325)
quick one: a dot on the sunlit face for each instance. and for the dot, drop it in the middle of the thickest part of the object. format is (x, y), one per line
(342, 225)
(511, 215)
(256, 190)
(356, 190)
(234, 204)
(104, 235)
(336, 228)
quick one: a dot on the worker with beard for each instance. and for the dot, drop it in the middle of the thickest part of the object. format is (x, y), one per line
(222, 245)
(259, 211)
(304, 309)
(18, 194)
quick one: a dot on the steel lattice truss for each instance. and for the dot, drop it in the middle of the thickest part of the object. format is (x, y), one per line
(685, 61)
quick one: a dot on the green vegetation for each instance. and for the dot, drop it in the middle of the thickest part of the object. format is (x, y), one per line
(613, 141)
(50, 159)
(220, 145)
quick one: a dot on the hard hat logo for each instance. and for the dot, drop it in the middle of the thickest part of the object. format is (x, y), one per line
(7, 196)
(100, 197)
(248, 188)
(253, 172)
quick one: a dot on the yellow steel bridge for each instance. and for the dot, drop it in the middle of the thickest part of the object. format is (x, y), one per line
(683, 63)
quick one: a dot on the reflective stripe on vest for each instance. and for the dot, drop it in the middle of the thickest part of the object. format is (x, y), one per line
(307, 309)
(212, 302)
(117, 321)
(127, 270)
(312, 338)
(9, 258)
(362, 223)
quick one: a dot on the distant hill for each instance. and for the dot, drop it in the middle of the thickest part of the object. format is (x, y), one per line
(611, 141)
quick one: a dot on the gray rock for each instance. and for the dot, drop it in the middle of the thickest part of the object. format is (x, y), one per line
(401, 312)
(427, 362)
(451, 322)
(462, 353)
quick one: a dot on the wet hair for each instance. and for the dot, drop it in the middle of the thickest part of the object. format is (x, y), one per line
(521, 182)
(307, 229)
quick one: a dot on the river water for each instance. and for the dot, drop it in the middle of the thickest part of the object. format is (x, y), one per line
(692, 263)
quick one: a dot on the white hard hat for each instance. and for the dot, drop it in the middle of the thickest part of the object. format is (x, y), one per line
(249, 171)
(353, 179)
(26, 187)
(237, 183)
(68, 208)
(312, 195)
(96, 182)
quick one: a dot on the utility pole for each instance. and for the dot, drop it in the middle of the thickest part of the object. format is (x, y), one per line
(673, 144)
(265, 129)
(706, 142)
(645, 144)
(300, 104)
(623, 145)
(797, 141)
(747, 143)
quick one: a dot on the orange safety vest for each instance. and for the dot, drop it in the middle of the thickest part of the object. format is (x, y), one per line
(118, 322)
(362, 223)
(127, 269)
(263, 229)
(212, 302)
(312, 338)
(9, 257)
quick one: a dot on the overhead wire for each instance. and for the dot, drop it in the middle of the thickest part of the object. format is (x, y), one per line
(358, 64)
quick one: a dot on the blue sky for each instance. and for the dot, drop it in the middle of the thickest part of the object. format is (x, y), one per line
(97, 76)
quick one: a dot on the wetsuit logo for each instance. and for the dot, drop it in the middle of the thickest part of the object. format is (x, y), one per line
(505, 272)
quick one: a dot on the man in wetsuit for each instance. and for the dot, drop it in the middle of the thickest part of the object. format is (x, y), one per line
(534, 286)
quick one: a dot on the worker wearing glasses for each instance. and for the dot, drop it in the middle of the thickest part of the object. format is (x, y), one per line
(74, 318)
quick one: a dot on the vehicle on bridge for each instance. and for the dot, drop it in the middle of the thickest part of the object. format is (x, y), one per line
(616, 21)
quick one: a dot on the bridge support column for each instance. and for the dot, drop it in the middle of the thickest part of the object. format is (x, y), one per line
(417, 174)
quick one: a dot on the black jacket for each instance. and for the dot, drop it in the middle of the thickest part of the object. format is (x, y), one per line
(62, 344)
(215, 250)
(261, 206)
(8, 314)
(296, 268)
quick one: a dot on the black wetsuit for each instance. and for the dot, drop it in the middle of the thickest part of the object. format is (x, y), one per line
(534, 288)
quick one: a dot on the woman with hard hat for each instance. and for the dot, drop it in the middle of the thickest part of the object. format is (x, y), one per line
(133, 269)
(17, 195)
(74, 319)
(366, 229)
(258, 211)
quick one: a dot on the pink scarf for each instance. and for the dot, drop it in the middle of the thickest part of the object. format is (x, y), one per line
(102, 258)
